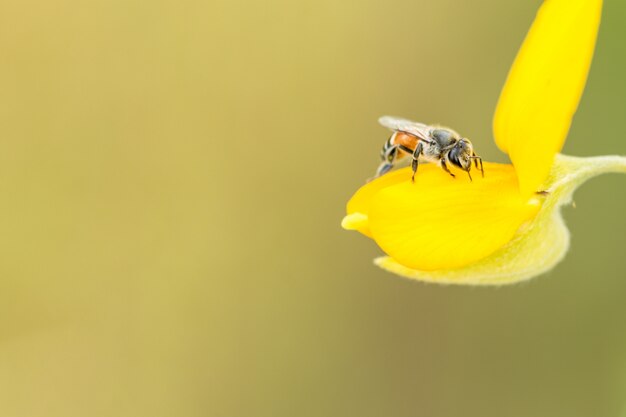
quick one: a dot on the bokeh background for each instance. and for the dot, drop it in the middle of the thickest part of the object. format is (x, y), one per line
(173, 174)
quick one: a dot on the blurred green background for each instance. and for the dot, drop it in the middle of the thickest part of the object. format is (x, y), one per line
(173, 174)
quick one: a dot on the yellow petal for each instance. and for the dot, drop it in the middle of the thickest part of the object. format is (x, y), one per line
(440, 222)
(539, 246)
(544, 87)
(357, 221)
(359, 204)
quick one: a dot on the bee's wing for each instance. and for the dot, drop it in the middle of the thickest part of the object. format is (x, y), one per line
(395, 123)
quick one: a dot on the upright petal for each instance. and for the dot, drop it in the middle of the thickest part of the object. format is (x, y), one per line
(544, 87)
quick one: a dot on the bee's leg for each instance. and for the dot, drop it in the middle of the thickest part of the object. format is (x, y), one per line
(416, 154)
(383, 168)
(389, 157)
(412, 152)
(477, 159)
(445, 168)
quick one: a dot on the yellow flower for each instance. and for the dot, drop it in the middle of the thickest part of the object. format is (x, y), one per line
(507, 226)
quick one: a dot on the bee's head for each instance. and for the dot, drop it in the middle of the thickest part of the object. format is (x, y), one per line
(461, 154)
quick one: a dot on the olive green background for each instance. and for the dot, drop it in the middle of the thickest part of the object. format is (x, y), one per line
(173, 174)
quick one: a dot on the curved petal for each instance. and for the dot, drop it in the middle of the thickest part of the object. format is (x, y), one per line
(544, 87)
(539, 246)
(359, 205)
(440, 222)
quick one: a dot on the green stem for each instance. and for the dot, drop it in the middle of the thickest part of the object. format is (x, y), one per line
(571, 171)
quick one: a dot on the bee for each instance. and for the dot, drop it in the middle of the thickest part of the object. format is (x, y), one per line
(436, 144)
